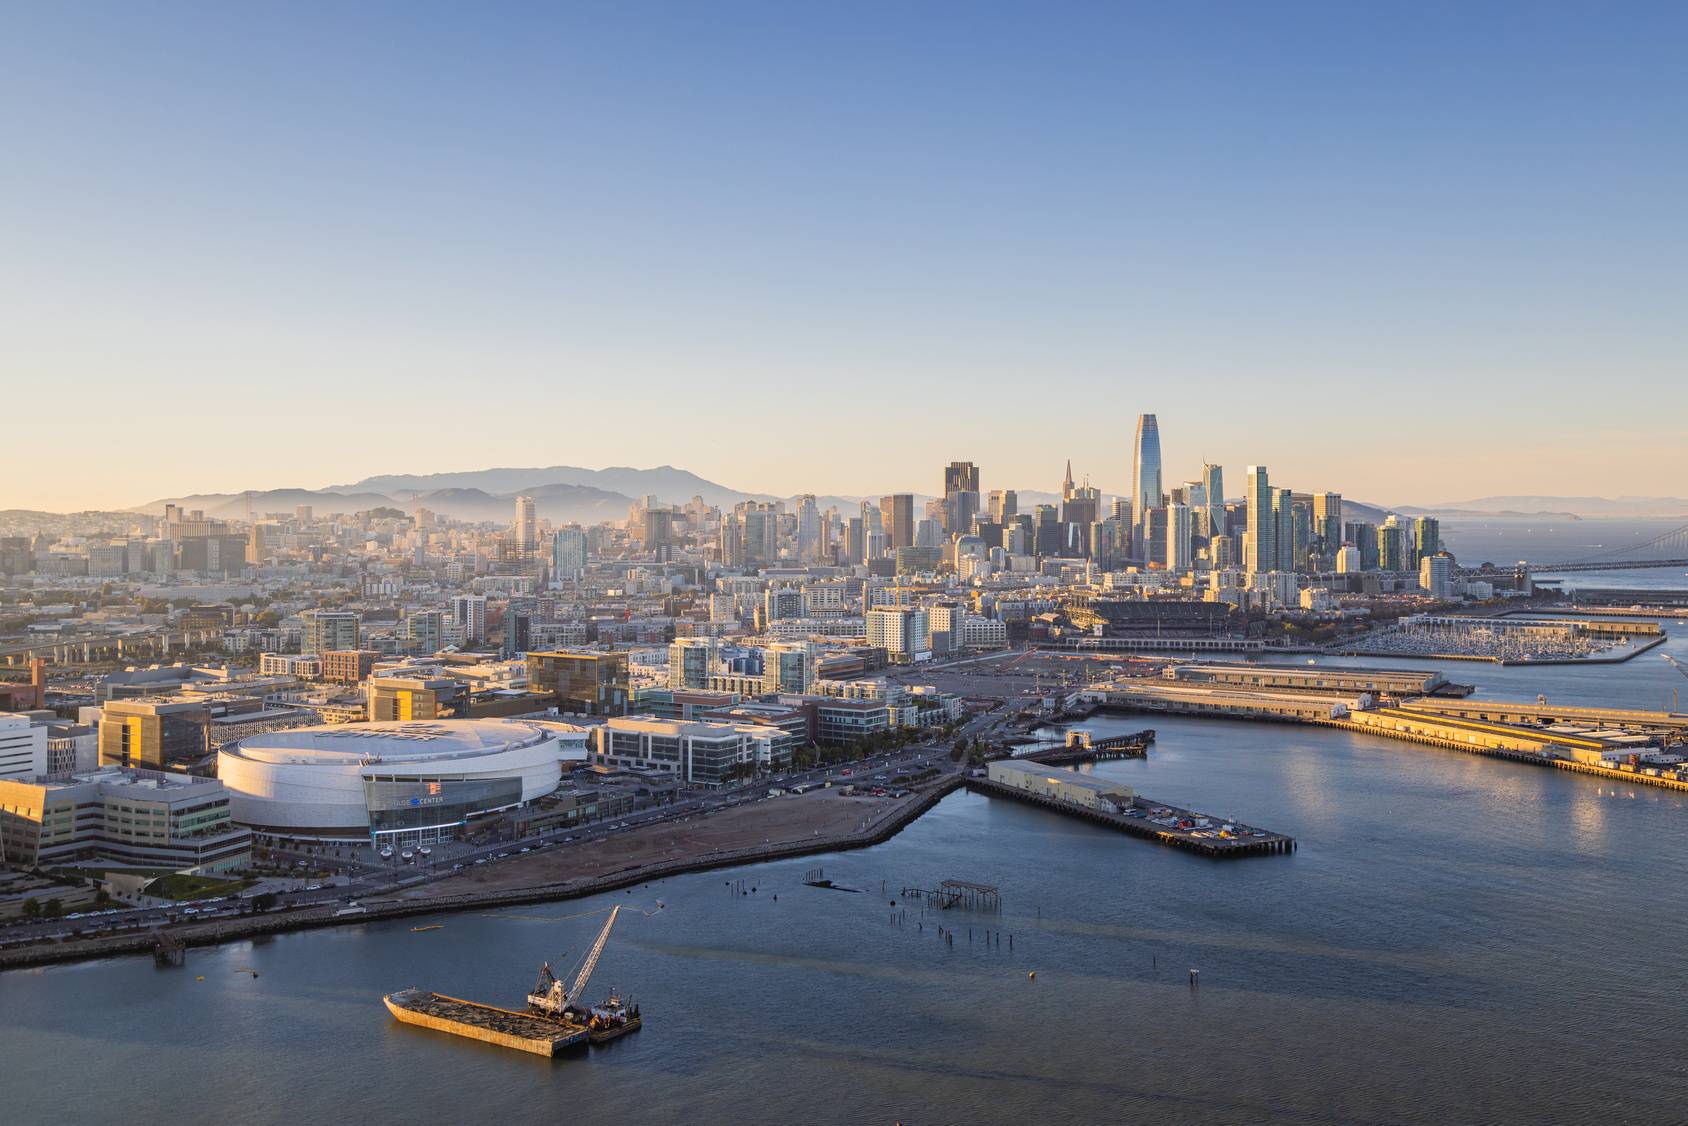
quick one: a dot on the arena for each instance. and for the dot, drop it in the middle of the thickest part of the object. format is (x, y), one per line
(394, 783)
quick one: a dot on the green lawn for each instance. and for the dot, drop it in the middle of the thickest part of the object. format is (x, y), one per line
(179, 886)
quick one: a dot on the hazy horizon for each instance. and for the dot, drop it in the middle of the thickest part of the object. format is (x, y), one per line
(1403, 253)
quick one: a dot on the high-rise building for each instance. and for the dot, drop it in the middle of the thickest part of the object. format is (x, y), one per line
(1283, 529)
(424, 631)
(1146, 490)
(961, 496)
(1212, 522)
(901, 631)
(328, 629)
(1261, 550)
(1327, 519)
(1364, 537)
(527, 528)
(1178, 534)
(1392, 545)
(1427, 532)
(468, 611)
(568, 553)
(1436, 575)
(1004, 505)
(808, 530)
(897, 511)
(690, 661)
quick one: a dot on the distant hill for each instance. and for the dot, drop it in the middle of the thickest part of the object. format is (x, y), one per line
(232, 506)
(666, 483)
(1612, 507)
(558, 503)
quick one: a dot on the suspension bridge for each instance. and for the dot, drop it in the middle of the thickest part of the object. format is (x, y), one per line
(1669, 549)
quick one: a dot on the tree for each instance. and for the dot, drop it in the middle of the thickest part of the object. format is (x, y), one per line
(264, 901)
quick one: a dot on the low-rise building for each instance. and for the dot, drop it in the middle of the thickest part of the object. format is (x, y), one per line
(697, 752)
(1062, 785)
(144, 818)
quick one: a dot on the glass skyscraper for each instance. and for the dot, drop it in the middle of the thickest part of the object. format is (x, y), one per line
(1146, 478)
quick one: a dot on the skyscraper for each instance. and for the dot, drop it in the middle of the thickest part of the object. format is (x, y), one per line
(1327, 519)
(1213, 484)
(961, 496)
(1146, 476)
(1261, 550)
(1178, 538)
(527, 528)
(1427, 531)
(897, 512)
(568, 553)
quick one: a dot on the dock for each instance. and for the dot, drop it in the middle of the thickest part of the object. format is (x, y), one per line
(1155, 821)
(526, 1032)
(1081, 746)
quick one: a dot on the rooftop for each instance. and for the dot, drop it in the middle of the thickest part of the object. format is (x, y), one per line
(348, 743)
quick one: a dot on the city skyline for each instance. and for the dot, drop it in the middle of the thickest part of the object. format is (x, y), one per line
(1258, 223)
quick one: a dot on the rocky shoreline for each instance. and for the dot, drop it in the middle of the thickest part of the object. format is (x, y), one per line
(249, 926)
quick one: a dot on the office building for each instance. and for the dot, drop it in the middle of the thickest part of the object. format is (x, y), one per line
(582, 682)
(698, 753)
(23, 747)
(1211, 523)
(323, 630)
(144, 818)
(1146, 489)
(526, 532)
(154, 732)
(897, 511)
(961, 496)
(401, 695)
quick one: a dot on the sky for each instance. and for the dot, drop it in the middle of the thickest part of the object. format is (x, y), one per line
(1411, 252)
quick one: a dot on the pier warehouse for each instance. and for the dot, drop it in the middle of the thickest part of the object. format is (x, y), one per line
(1311, 678)
(1062, 785)
(405, 783)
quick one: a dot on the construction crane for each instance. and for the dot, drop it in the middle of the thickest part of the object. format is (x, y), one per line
(549, 996)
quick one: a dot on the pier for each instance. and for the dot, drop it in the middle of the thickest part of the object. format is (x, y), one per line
(1081, 746)
(1153, 821)
(959, 893)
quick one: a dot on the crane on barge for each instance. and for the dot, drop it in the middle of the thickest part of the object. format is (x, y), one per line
(549, 995)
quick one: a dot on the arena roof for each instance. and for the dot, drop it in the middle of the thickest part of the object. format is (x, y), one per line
(348, 743)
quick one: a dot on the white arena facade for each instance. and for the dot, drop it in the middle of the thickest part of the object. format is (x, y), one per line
(405, 783)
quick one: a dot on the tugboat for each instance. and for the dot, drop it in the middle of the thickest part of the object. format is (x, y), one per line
(610, 1019)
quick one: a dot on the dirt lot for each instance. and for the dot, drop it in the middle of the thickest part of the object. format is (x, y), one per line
(782, 820)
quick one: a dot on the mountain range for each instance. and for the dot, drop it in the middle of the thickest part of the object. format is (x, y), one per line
(571, 494)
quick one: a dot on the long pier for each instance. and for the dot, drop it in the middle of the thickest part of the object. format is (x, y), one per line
(1148, 820)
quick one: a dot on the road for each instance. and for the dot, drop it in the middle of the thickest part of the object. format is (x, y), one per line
(363, 873)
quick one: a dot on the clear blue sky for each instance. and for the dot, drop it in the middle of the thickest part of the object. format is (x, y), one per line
(1413, 252)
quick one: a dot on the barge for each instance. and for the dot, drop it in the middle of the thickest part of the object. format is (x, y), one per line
(542, 1034)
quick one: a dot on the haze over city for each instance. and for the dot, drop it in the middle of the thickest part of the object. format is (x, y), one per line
(772, 561)
(1419, 253)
